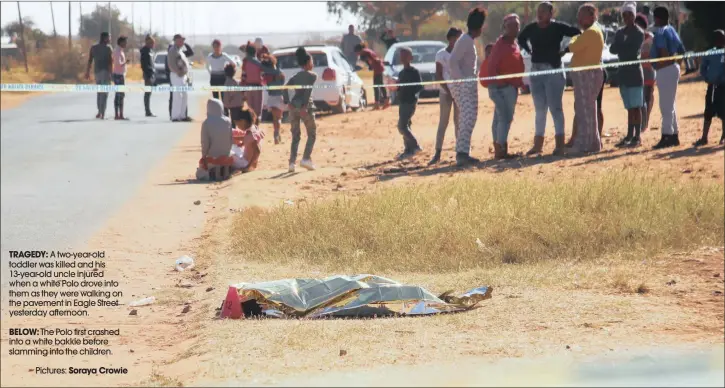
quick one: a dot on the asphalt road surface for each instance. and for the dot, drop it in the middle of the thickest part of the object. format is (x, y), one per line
(65, 172)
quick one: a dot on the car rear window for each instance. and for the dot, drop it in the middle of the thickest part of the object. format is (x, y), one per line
(161, 58)
(289, 61)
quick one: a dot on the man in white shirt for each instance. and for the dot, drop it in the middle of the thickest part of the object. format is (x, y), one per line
(178, 71)
(463, 63)
(445, 99)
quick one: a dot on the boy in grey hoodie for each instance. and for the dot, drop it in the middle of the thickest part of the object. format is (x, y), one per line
(216, 137)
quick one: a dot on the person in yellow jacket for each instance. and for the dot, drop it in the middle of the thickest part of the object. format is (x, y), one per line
(586, 50)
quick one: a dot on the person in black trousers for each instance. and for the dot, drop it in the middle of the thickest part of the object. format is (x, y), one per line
(408, 97)
(189, 53)
(147, 66)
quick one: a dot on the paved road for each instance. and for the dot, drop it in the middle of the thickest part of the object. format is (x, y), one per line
(64, 172)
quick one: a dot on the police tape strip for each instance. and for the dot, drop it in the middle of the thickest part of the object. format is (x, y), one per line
(37, 87)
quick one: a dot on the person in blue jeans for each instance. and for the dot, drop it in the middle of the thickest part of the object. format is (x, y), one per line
(542, 39)
(713, 70)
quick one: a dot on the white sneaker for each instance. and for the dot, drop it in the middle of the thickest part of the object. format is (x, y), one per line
(307, 164)
(291, 167)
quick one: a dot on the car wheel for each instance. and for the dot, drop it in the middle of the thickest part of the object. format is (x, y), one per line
(363, 101)
(341, 106)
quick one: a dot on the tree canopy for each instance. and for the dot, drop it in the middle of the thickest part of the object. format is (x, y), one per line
(32, 33)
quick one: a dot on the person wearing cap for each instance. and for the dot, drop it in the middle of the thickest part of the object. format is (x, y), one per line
(178, 73)
(348, 44)
(445, 100)
(627, 45)
(712, 70)
(505, 59)
(587, 51)
(189, 52)
(216, 61)
(667, 43)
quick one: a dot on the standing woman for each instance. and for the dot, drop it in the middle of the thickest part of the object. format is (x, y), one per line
(505, 59)
(445, 100)
(587, 51)
(648, 70)
(216, 61)
(252, 76)
(302, 108)
(463, 63)
(274, 77)
(542, 39)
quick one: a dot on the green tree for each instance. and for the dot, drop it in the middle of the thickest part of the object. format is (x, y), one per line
(377, 15)
(705, 17)
(32, 33)
(93, 24)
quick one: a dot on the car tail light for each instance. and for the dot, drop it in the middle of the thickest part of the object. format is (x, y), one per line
(329, 74)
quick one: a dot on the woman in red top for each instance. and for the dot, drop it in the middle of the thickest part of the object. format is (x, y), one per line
(376, 65)
(252, 75)
(505, 59)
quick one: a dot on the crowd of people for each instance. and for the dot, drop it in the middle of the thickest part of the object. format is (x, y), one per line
(232, 117)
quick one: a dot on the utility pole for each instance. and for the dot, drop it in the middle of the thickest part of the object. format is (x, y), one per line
(22, 38)
(151, 30)
(109, 18)
(70, 36)
(80, 21)
(133, 36)
(52, 16)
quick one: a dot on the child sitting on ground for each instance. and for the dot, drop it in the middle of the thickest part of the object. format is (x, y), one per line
(233, 101)
(247, 139)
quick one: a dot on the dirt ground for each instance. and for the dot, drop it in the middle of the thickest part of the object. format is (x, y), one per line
(355, 154)
(682, 302)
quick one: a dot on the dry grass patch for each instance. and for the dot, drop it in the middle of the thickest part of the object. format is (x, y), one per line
(471, 223)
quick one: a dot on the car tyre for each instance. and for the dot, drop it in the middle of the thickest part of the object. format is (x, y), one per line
(363, 101)
(341, 106)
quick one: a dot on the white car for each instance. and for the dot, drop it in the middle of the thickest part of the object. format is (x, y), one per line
(339, 87)
(237, 61)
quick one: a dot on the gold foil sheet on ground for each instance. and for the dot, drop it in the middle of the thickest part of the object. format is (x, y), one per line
(354, 296)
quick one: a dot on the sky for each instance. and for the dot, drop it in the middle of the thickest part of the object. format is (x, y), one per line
(197, 17)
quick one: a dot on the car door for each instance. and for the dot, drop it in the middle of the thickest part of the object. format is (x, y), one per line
(345, 73)
(356, 84)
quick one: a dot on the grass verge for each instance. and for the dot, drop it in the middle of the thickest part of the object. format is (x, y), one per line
(482, 223)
